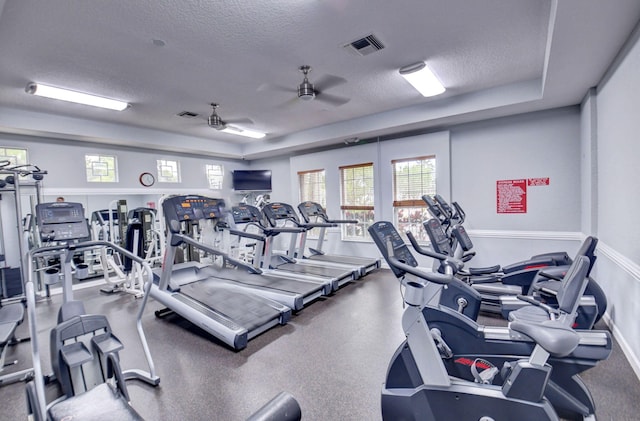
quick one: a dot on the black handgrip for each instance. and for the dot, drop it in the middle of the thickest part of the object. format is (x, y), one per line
(424, 251)
(533, 301)
(434, 277)
(550, 276)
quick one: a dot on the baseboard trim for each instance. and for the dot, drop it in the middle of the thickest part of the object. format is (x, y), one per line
(624, 345)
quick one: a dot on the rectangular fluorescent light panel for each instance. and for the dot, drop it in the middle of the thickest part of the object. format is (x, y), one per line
(243, 132)
(73, 96)
(422, 78)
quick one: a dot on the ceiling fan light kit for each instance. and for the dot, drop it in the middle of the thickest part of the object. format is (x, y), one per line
(420, 76)
(51, 92)
(306, 90)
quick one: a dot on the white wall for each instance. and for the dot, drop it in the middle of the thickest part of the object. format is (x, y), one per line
(541, 144)
(618, 150)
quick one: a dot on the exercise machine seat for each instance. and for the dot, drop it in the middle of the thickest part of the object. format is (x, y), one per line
(11, 313)
(554, 337)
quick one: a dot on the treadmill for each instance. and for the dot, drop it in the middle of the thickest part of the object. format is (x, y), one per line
(220, 307)
(278, 214)
(293, 292)
(314, 212)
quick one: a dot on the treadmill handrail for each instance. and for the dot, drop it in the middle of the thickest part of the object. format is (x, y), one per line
(342, 221)
(246, 234)
(311, 225)
(225, 256)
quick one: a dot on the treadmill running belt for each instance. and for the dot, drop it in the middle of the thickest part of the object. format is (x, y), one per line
(266, 280)
(244, 309)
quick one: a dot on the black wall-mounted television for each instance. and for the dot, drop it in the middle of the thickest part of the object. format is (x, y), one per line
(251, 180)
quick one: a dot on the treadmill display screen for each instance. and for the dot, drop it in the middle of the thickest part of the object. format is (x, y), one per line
(193, 208)
(243, 214)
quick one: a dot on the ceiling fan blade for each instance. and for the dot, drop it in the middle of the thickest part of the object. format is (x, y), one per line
(328, 82)
(288, 103)
(243, 120)
(332, 99)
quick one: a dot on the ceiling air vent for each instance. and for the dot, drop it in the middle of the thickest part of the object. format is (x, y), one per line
(364, 46)
(187, 114)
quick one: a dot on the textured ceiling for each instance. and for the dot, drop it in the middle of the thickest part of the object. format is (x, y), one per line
(495, 57)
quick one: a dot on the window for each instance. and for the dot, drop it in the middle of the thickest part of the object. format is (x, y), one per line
(215, 175)
(101, 168)
(168, 171)
(413, 178)
(312, 187)
(356, 182)
(16, 156)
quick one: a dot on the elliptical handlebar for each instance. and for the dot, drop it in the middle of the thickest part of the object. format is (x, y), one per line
(437, 278)
(456, 265)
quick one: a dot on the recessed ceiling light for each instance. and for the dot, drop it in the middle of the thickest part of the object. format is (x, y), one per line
(73, 96)
(423, 79)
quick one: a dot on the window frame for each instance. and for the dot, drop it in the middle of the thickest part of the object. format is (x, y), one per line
(315, 198)
(413, 206)
(91, 178)
(347, 208)
(13, 159)
(212, 178)
(176, 178)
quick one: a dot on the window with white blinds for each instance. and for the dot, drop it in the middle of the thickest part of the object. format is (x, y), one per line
(412, 178)
(312, 187)
(357, 200)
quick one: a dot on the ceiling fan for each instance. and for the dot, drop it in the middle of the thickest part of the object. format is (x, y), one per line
(216, 122)
(308, 91)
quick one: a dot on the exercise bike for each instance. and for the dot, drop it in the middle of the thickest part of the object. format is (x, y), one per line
(498, 291)
(470, 352)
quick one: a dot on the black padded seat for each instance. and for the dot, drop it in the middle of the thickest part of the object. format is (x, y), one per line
(102, 403)
(529, 314)
(557, 339)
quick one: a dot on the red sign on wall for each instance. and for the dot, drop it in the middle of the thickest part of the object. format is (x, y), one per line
(511, 196)
(542, 181)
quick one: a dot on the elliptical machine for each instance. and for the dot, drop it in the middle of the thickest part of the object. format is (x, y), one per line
(451, 344)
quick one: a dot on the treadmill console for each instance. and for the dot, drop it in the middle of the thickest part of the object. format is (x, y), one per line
(244, 214)
(191, 208)
(61, 221)
(383, 234)
(437, 237)
(277, 211)
(310, 209)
